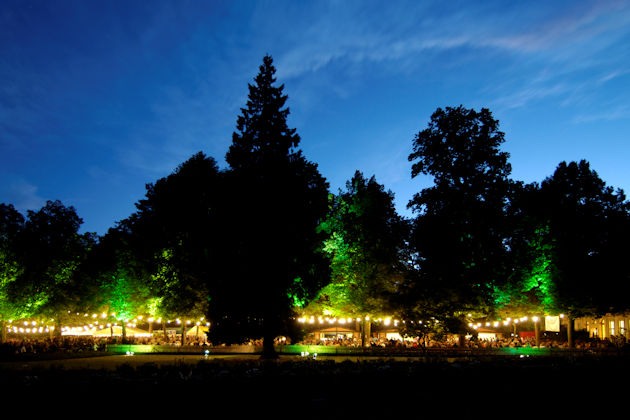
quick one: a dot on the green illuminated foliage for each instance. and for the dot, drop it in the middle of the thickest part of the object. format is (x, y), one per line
(297, 293)
(540, 277)
(153, 305)
(179, 294)
(119, 293)
(365, 242)
(11, 224)
(530, 290)
(51, 251)
(124, 289)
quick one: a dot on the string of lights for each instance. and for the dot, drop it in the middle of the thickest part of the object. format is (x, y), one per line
(88, 328)
(48, 326)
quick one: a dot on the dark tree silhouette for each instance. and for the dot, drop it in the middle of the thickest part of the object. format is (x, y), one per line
(588, 223)
(568, 246)
(173, 240)
(460, 227)
(277, 198)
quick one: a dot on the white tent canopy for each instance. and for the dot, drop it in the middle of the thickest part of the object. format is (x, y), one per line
(198, 329)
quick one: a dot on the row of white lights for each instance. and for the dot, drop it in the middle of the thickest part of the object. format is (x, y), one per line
(45, 328)
(323, 320)
(507, 321)
(389, 320)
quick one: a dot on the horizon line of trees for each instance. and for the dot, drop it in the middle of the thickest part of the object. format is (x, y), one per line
(255, 244)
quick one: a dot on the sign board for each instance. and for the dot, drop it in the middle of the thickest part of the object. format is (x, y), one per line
(552, 323)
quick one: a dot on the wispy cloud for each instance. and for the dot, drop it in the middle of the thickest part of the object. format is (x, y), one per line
(21, 193)
(370, 37)
(546, 45)
(613, 75)
(616, 113)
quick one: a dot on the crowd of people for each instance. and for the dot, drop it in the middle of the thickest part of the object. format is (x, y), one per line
(16, 345)
(64, 344)
(513, 341)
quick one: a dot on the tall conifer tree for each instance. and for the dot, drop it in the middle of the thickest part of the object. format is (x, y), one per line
(276, 200)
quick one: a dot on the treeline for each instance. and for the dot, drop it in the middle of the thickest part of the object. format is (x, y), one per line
(254, 245)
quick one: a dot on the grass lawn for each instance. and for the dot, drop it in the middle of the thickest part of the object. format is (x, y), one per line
(332, 385)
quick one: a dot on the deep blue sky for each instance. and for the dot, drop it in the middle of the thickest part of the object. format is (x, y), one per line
(99, 98)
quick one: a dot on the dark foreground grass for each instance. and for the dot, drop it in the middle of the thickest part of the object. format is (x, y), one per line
(328, 389)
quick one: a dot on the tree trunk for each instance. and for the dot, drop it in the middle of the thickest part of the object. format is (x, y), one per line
(537, 330)
(570, 339)
(3, 333)
(183, 333)
(269, 328)
(269, 351)
(366, 332)
(57, 332)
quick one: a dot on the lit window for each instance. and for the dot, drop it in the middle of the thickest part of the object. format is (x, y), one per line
(612, 328)
(622, 327)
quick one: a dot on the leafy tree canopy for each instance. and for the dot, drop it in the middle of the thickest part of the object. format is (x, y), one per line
(175, 235)
(366, 239)
(589, 225)
(52, 250)
(11, 225)
(461, 226)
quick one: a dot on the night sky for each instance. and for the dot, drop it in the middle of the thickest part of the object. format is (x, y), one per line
(98, 98)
